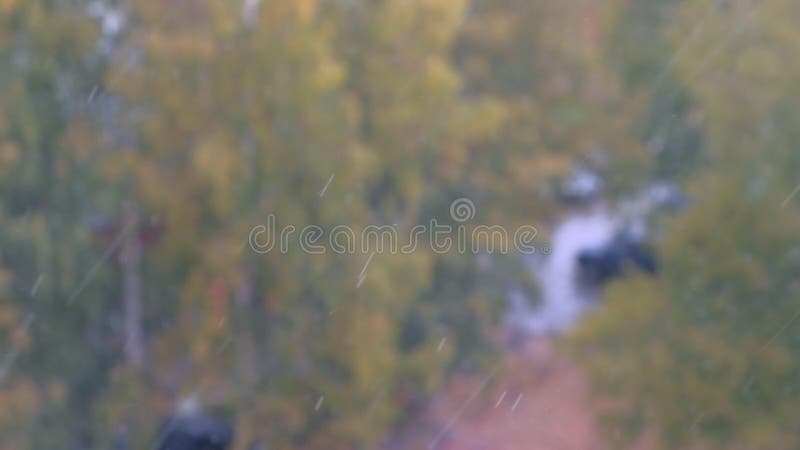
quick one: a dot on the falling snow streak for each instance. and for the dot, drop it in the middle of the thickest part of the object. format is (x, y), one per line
(363, 275)
(443, 432)
(516, 403)
(718, 49)
(782, 329)
(707, 60)
(683, 46)
(92, 94)
(11, 356)
(99, 263)
(500, 400)
(36, 285)
(225, 344)
(325, 189)
(789, 198)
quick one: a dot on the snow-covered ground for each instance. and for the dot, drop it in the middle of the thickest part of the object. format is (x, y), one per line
(563, 299)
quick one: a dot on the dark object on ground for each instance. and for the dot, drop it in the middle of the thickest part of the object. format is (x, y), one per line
(599, 265)
(195, 432)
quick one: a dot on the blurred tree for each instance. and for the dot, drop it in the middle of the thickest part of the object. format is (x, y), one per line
(54, 356)
(546, 63)
(640, 50)
(232, 120)
(706, 356)
(134, 165)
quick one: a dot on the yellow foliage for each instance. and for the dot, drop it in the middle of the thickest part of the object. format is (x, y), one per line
(188, 46)
(9, 315)
(9, 155)
(8, 6)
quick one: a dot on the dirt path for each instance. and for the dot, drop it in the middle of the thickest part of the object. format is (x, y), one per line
(535, 400)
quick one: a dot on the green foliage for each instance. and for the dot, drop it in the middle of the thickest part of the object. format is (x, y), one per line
(130, 180)
(544, 63)
(207, 123)
(706, 355)
(707, 351)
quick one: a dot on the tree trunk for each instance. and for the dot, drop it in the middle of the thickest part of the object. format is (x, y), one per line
(131, 261)
(246, 348)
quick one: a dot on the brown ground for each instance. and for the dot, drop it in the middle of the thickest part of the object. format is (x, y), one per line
(552, 410)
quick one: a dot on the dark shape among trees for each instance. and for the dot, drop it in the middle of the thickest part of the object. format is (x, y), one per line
(599, 265)
(195, 432)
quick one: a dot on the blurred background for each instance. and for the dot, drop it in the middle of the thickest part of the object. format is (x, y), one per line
(652, 143)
